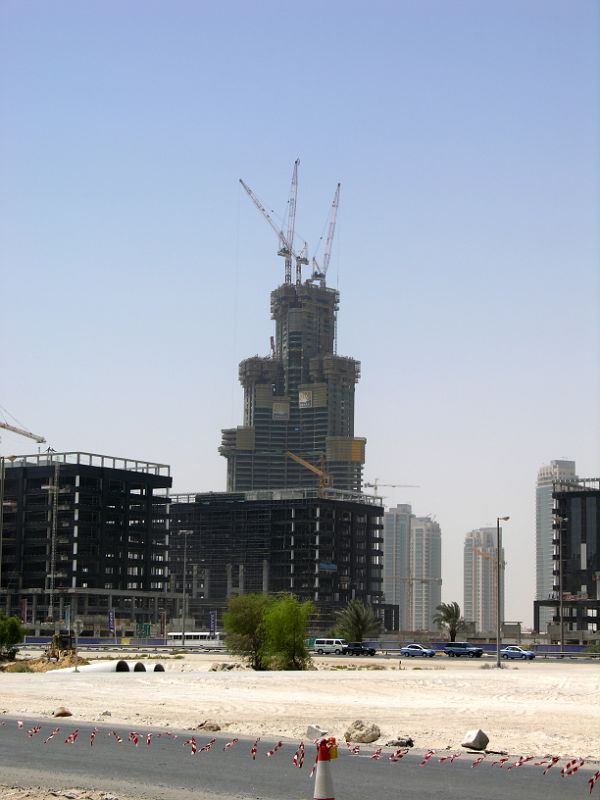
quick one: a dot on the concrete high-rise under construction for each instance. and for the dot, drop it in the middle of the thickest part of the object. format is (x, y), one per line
(298, 400)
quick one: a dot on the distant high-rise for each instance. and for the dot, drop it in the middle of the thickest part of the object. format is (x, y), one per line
(396, 561)
(426, 566)
(412, 567)
(300, 398)
(558, 470)
(480, 587)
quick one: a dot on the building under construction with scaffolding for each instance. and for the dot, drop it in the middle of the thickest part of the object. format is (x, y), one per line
(85, 537)
(294, 518)
(299, 399)
(320, 545)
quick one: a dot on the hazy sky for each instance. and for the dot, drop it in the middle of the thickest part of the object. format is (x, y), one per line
(136, 273)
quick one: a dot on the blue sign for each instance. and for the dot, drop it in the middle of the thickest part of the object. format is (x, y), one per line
(212, 622)
(111, 620)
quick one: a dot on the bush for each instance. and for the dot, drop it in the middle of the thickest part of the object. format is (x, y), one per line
(11, 633)
(268, 632)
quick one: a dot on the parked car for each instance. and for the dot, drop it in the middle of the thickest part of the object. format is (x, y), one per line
(337, 646)
(415, 649)
(458, 649)
(359, 649)
(514, 651)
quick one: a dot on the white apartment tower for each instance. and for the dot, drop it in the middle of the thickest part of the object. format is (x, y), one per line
(426, 564)
(559, 470)
(396, 561)
(412, 567)
(480, 582)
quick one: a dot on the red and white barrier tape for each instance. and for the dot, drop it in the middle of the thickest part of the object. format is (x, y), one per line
(398, 754)
(207, 746)
(230, 744)
(52, 735)
(593, 779)
(277, 747)
(478, 761)
(571, 767)
(452, 758)
(298, 758)
(551, 763)
(520, 761)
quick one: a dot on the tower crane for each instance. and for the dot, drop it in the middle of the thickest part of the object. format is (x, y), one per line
(324, 476)
(319, 273)
(22, 432)
(376, 484)
(286, 242)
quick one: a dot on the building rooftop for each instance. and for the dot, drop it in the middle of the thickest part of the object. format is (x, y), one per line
(46, 459)
(283, 494)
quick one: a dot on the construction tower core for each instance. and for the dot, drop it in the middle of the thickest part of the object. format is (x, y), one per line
(299, 400)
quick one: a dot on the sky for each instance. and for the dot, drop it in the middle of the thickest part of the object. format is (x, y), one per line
(136, 273)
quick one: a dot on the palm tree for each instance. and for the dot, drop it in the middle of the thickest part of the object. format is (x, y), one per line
(357, 622)
(448, 618)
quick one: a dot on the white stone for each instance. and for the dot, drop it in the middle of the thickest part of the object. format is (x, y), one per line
(475, 739)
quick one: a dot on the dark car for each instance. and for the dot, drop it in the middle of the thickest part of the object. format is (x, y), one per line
(359, 649)
(458, 649)
(415, 649)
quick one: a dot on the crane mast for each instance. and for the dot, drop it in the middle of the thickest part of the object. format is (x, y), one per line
(292, 225)
(317, 271)
(286, 242)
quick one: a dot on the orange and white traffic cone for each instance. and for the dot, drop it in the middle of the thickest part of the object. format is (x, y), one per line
(326, 750)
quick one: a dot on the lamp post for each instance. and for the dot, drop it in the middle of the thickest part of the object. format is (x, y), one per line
(498, 592)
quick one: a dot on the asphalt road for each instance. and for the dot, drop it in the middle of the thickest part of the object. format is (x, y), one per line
(167, 770)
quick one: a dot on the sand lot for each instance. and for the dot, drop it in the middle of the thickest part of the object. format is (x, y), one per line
(526, 708)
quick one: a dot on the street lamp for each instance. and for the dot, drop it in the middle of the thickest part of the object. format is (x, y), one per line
(498, 593)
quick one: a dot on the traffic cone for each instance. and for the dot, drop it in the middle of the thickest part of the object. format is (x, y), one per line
(326, 749)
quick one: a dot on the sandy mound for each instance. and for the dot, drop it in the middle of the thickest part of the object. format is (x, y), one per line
(42, 664)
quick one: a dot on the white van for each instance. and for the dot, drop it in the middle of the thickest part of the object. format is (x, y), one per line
(336, 646)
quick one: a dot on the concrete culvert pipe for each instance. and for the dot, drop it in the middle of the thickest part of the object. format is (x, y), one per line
(137, 666)
(158, 668)
(98, 666)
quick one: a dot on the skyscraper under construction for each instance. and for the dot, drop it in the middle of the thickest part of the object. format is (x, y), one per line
(299, 400)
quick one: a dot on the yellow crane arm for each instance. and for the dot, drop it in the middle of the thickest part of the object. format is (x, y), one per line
(323, 475)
